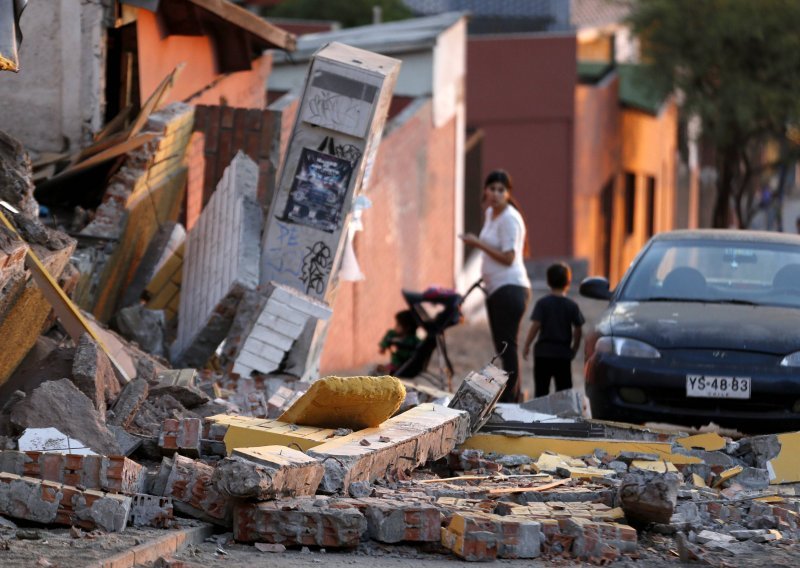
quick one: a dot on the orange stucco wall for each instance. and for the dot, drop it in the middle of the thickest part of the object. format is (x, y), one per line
(199, 81)
(598, 150)
(407, 241)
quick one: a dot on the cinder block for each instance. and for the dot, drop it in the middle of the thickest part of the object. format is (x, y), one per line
(188, 483)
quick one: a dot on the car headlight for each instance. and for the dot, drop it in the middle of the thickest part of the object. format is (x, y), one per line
(791, 360)
(626, 347)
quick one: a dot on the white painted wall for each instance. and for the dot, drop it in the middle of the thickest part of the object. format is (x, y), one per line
(56, 102)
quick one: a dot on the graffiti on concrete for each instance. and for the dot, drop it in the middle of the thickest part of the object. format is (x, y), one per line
(317, 264)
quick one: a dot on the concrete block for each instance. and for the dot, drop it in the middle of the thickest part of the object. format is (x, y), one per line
(299, 522)
(649, 498)
(151, 511)
(347, 402)
(402, 443)
(478, 394)
(268, 472)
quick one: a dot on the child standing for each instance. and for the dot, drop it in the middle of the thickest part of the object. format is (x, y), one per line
(557, 321)
(401, 341)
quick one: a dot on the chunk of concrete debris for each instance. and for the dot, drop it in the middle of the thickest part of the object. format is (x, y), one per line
(304, 521)
(269, 472)
(93, 374)
(51, 440)
(61, 405)
(564, 404)
(128, 403)
(180, 384)
(347, 402)
(648, 498)
(427, 432)
(478, 393)
(144, 326)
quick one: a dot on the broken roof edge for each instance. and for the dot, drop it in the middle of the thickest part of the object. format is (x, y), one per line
(237, 16)
(413, 34)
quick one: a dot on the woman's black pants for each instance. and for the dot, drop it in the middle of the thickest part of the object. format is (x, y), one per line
(505, 308)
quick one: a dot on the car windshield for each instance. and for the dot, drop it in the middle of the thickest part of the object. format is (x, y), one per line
(719, 271)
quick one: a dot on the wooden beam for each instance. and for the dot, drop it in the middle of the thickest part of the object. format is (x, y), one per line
(69, 315)
(249, 22)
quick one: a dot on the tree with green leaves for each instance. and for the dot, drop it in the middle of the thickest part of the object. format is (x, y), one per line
(736, 66)
(349, 13)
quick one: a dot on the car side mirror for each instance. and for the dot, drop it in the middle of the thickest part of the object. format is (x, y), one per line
(595, 287)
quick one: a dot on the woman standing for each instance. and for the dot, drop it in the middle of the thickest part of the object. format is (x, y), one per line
(502, 242)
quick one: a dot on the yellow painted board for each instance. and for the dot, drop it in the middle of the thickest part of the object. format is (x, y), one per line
(710, 441)
(698, 481)
(534, 446)
(785, 467)
(727, 474)
(241, 436)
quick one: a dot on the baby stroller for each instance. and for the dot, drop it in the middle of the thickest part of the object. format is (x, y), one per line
(445, 312)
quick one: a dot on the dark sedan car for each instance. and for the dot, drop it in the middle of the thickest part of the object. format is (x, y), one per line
(704, 326)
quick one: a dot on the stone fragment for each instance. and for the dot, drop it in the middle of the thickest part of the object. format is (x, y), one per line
(61, 405)
(598, 540)
(93, 374)
(400, 521)
(648, 498)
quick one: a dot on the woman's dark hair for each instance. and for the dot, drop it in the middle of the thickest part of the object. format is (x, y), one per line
(503, 177)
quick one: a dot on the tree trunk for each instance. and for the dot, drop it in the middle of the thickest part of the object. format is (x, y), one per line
(727, 165)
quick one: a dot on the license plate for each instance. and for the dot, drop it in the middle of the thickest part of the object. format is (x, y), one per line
(709, 386)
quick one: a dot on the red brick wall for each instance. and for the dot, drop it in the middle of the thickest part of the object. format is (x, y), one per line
(521, 93)
(407, 241)
(219, 133)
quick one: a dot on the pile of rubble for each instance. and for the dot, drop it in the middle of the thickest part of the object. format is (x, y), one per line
(457, 479)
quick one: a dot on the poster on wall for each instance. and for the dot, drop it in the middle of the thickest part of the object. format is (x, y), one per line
(320, 184)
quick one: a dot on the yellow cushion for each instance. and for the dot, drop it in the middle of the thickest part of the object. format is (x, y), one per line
(347, 402)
